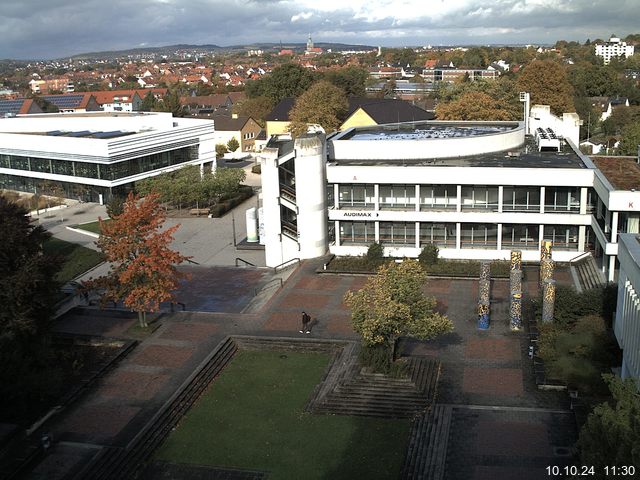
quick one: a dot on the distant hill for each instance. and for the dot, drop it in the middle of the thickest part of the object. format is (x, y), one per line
(171, 50)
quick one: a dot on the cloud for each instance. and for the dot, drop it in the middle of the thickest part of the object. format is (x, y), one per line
(57, 28)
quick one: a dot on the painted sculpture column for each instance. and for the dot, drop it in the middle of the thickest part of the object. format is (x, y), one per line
(547, 267)
(515, 307)
(484, 296)
(548, 300)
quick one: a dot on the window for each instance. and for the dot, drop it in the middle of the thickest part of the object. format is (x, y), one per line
(356, 196)
(438, 197)
(357, 233)
(475, 235)
(563, 237)
(521, 199)
(440, 234)
(398, 233)
(397, 197)
(479, 198)
(520, 237)
(562, 200)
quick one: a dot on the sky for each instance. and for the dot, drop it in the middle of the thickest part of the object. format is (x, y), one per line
(46, 29)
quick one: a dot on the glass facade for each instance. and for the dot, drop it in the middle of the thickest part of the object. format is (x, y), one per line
(398, 233)
(356, 196)
(475, 235)
(520, 237)
(521, 199)
(479, 198)
(357, 233)
(438, 197)
(441, 234)
(563, 237)
(101, 171)
(562, 200)
(397, 197)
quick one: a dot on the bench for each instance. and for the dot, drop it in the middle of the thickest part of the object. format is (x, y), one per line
(199, 211)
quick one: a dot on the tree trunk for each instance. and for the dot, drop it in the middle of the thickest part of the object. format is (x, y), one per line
(142, 319)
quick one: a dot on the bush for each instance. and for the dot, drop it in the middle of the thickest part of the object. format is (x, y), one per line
(429, 255)
(221, 149)
(377, 359)
(256, 169)
(233, 144)
(228, 202)
(375, 253)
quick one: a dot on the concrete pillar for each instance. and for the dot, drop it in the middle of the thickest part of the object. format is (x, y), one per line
(271, 207)
(311, 197)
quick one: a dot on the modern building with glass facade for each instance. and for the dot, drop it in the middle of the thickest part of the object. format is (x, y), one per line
(475, 189)
(92, 156)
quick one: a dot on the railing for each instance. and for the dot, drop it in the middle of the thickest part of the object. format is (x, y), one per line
(274, 282)
(238, 260)
(286, 264)
(582, 256)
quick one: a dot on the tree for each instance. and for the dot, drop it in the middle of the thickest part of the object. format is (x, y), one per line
(233, 144)
(473, 106)
(143, 268)
(257, 108)
(28, 293)
(323, 103)
(547, 83)
(392, 304)
(287, 80)
(611, 435)
(221, 149)
(115, 206)
(27, 285)
(149, 103)
(630, 140)
(352, 80)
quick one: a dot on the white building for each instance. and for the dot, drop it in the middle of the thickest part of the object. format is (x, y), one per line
(613, 48)
(626, 325)
(475, 189)
(95, 155)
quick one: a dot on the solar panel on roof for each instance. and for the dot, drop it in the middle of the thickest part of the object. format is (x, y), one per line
(10, 106)
(66, 101)
(84, 133)
(112, 134)
(55, 133)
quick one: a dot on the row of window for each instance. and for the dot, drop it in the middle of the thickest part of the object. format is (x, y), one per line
(472, 235)
(112, 171)
(445, 197)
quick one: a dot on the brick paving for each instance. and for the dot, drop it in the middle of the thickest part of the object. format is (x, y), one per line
(478, 368)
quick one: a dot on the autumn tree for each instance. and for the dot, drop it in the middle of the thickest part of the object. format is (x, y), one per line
(257, 108)
(472, 106)
(324, 104)
(288, 80)
(352, 80)
(392, 303)
(143, 268)
(548, 84)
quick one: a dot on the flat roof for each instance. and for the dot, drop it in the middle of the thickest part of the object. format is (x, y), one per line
(526, 156)
(425, 131)
(622, 172)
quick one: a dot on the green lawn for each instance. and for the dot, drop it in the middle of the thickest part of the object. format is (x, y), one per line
(252, 417)
(92, 226)
(77, 259)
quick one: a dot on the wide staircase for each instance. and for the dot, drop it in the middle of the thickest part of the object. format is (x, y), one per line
(347, 390)
(587, 273)
(427, 452)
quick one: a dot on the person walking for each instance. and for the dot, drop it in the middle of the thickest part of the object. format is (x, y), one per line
(306, 320)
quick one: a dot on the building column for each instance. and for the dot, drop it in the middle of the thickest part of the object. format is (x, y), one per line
(542, 194)
(376, 197)
(376, 230)
(458, 230)
(417, 234)
(540, 234)
(459, 205)
(336, 230)
(582, 238)
(499, 245)
(336, 198)
(583, 200)
(614, 227)
(500, 200)
(417, 198)
(612, 268)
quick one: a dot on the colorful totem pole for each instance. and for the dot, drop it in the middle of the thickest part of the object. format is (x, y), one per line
(484, 295)
(515, 283)
(548, 300)
(545, 258)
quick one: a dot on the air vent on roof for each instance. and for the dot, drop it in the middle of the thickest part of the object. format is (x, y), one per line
(547, 140)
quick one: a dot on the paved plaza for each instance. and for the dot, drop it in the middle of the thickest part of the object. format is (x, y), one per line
(502, 426)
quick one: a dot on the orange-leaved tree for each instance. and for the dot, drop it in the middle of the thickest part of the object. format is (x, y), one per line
(143, 268)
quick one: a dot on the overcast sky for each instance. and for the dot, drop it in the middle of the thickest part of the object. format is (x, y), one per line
(57, 28)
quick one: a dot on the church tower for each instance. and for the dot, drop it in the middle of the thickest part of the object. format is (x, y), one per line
(309, 43)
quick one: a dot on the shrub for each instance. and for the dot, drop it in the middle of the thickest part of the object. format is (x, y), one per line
(256, 169)
(429, 255)
(375, 253)
(221, 149)
(233, 144)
